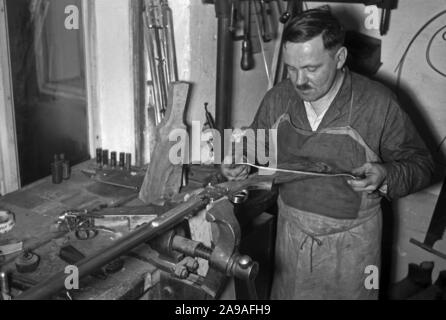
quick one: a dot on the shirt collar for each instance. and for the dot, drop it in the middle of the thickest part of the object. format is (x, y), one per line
(341, 103)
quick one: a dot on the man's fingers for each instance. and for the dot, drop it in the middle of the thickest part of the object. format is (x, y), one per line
(361, 171)
(368, 189)
(366, 184)
(359, 183)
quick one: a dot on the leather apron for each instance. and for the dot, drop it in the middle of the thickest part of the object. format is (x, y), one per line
(327, 234)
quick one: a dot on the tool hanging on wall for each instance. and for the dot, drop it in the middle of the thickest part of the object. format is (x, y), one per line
(247, 61)
(294, 7)
(265, 25)
(160, 45)
(167, 18)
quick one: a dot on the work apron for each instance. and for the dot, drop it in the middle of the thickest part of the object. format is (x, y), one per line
(327, 234)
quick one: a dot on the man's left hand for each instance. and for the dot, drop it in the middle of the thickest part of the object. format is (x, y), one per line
(374, 175)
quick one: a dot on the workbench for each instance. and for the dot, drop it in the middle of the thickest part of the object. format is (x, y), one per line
(37, 207)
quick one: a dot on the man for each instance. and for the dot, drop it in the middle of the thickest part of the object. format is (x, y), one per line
(329, 228)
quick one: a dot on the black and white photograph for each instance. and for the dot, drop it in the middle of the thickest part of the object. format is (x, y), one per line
(221, 155)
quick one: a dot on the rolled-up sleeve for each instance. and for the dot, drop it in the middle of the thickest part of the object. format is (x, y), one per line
(408, 161)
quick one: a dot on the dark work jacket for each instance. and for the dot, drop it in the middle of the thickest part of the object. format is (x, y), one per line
(378, 118)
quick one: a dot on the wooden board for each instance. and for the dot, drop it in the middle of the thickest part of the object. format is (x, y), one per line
(163, 178)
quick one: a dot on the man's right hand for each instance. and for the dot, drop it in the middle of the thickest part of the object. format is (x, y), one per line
(235, 171)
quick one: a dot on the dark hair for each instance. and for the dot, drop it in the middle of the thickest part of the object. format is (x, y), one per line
(310, 24)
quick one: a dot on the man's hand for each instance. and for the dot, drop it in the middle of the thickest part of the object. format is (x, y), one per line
(374, 174)
(234, 171)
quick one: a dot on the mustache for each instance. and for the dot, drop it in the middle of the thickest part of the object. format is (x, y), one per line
(305, 86)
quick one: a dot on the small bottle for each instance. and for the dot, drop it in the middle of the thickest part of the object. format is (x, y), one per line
(105, 157)
(113, 159)
(56, 170)
(121, 160)
(128, 161)
(99, 158)
(66, 170)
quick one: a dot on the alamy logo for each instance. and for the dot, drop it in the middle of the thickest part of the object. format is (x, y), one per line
(72, 280)
(72, 18)
(372, 19)
(372, 280)
(235, 147)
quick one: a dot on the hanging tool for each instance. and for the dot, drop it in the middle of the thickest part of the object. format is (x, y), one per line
(233, 17)
(223, 94)
(155, 60)
(247, 61)
(169, 40)
(160, 44)
(261, 33)
(294, 7)
(265, 26)
(386, 7)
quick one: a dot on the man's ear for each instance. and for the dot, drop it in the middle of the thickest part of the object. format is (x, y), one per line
(341, 57)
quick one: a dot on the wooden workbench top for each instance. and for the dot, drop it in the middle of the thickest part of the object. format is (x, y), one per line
(36, 208)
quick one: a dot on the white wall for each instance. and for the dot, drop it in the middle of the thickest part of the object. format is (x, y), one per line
(114, 76)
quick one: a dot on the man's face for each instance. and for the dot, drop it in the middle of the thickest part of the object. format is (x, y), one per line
(311, 67)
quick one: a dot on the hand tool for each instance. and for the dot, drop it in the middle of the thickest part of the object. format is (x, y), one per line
(149, 40)
(262, 31)
(265, 23)
(123, 179)
(247, 61)
(233, 17)
(160, 47)
(170, 41)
